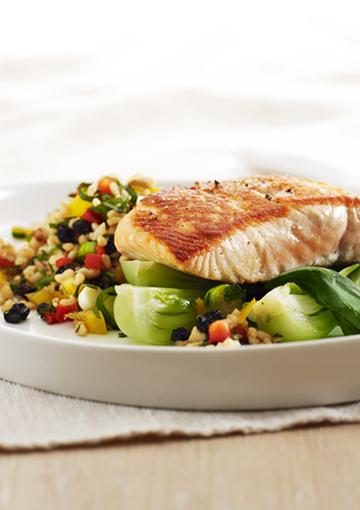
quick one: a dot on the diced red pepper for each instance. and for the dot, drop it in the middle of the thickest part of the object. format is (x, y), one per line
(104, 186)
(239, 330)
(49, 317)
(100, 250)
(92, 216)
(62, 261)
(218, 331)
(6, 262)
(58, 315)
(104, 191)
(93, 261)
(62, 310)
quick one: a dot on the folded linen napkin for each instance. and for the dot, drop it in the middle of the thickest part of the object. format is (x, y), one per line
(32, 419)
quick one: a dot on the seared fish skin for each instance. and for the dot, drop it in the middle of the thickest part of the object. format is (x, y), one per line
(247, 231)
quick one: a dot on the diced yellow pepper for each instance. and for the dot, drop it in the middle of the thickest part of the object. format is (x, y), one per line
(246, 310)
(69, 287)
(143, 189)
(44, 295)
(142, 185)
(3, 278)
(77, 206)
(93, 320)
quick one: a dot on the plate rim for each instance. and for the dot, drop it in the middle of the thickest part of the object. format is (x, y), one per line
(94, 342)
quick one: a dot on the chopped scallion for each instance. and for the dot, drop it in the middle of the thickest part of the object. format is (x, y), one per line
(85, 249)
(21, 233)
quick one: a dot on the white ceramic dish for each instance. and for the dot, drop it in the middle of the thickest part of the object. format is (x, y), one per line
(263, 377)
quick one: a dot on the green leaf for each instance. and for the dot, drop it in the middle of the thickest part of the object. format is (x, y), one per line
(83, 194)
(330, 289)
(132, 193)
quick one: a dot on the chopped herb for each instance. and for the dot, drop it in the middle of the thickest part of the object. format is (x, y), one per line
(83, 194)
(45, 307)
(119, 204)
(131, 192)
(85, 249)
(42, 256)
(100, 209)
(43, 282)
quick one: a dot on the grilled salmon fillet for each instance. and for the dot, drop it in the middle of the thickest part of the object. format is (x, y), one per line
(247, 230)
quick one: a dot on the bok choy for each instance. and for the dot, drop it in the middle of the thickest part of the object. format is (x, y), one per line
(292, 314)
(149, 314)
(332, 290)
(143, 273)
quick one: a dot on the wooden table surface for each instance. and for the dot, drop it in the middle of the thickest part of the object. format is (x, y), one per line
(309, 468)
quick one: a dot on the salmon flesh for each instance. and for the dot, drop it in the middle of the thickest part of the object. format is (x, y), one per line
(248, 230)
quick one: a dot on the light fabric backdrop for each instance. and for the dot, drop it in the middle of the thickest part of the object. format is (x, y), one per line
(188, 89)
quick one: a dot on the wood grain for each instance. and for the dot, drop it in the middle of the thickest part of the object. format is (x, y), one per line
(315, 468)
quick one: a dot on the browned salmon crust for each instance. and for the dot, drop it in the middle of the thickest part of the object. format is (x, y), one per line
(188, 223)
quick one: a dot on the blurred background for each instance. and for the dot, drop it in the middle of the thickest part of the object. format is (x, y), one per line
(179, 90)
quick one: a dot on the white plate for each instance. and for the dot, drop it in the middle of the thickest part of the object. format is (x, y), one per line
(53, 358)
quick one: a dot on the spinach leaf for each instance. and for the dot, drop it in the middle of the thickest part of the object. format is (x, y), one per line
(330, 289)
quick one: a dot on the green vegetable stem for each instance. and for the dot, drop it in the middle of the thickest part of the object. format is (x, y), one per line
(332, 290)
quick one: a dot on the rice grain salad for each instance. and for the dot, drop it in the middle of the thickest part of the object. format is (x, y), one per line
(68, 264)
